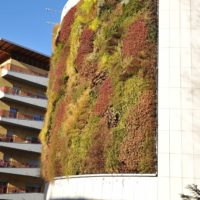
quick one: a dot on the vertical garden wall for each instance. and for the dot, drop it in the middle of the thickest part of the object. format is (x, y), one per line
(101, 115)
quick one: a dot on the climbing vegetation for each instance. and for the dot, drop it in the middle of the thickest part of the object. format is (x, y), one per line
(101, 115)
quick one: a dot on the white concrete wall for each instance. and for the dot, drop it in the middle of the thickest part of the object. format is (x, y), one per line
(178, 118)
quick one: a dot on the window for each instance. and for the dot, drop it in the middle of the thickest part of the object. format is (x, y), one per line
(10, 132)
(33, 188)
(3, 187)
(9, 135)
(41, 96)
(13, 113)
(16, 90)
(37, 117)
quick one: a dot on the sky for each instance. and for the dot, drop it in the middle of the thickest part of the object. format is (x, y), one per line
(25, 22)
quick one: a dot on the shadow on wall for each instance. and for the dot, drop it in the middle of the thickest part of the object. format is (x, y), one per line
(193, 75)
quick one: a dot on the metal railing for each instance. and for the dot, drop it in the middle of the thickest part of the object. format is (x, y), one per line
(15, 164)
(3, 189)
(11, 190)
(19, 92)
(16, 139)
(17, 115)
(18, 69)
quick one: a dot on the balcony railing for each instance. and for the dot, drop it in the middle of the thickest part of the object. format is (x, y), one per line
(10, 190)
(16, 139)
(14, 164)
(10, 114)
(14, 68)
(3, 189)
(16, 91)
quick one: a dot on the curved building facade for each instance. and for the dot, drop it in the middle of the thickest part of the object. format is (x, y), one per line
(178, 120)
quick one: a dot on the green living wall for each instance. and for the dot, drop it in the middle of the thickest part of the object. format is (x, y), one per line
(101, 115)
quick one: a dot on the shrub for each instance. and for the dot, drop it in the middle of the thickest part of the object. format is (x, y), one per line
(66, 26)
(105, 95)
(138, 31)
(94, 24)
(126, 95)
(86, 47)
(95, 158)
(137, 151)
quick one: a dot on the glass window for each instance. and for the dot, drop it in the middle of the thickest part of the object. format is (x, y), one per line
(16, 90)
(38, 117)
(13, 113)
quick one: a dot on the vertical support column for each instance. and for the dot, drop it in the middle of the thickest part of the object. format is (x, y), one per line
(195, 83)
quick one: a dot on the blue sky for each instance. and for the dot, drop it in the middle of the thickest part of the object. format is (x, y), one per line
(24, 22)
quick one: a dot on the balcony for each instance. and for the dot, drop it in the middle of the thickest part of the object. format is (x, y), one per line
(24, 196)
(16, 164)
(30, 144)
(17, 168)
(35, 148)
(16, 139)
(11, 189)
(23, 120)
(17, 95)
(27, 75)
(15, 193)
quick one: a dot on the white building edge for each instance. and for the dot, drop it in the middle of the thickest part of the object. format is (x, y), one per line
(178, 119)
(70, 4)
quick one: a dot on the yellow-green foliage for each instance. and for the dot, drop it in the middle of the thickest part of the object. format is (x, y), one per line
(51, 96)
(126, 96)
(94, 24)
(55, 32)
(74, 44)
(87, 6)
(88, 140)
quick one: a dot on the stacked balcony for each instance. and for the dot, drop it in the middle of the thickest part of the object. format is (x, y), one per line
(20, 74)
(17, 139)
(15, 164)
(18, 119)
(14, 167)
(30, 144)
(15, 118)
(24, 77)
(8, 191)
(16, 95)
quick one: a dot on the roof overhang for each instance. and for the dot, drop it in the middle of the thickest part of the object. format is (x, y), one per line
(11, 50)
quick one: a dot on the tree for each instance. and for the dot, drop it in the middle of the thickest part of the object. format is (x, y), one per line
(194, 191)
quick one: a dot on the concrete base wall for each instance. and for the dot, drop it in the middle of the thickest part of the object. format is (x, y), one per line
(103, 187)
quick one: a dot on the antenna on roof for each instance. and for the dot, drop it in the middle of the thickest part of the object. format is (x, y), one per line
(52, 10)
(51, 23)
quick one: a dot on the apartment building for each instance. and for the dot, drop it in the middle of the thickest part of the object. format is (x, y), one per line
(23, 84)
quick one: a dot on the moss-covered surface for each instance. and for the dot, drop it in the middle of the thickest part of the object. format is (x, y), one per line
(101, 115)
